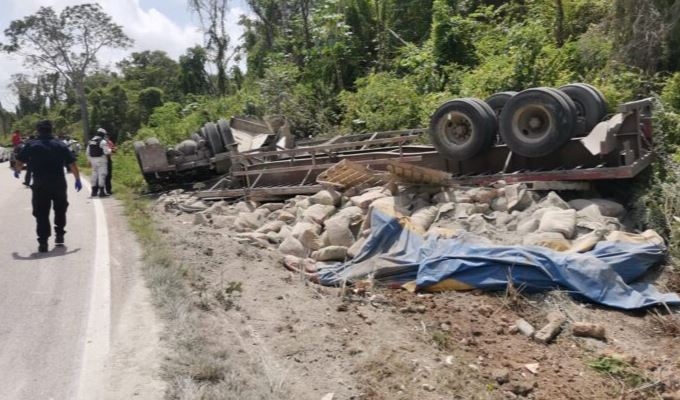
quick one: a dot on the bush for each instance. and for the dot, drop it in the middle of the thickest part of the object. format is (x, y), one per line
(671, 92)
(381, 102)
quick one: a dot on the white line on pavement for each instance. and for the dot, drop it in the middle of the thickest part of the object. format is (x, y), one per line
(97, 333)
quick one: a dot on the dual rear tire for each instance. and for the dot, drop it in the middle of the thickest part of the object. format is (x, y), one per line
(532, 123)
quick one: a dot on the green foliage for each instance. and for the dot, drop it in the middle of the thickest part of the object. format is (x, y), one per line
(193, 77)
(671, 93)
(630, 376)
(152, 69)
(149, 98)
(381, 102)
(452, 36)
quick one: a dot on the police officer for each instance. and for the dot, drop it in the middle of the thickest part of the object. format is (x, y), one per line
(48, 157)
(97, 152)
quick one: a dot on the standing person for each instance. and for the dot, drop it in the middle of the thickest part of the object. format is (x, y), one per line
(48, 157)
(16, 138)
(97, 150)
(109, 163)
(16, 147)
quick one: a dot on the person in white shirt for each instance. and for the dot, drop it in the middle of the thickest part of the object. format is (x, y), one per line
(97, 152)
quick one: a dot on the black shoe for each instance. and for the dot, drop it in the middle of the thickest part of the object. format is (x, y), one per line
(42, 248)
(59, 241)
(95, 190)
(102, 193)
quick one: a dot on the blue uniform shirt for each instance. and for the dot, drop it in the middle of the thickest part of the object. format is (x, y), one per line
(48, 158)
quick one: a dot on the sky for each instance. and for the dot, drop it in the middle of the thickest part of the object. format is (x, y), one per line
(166, 25)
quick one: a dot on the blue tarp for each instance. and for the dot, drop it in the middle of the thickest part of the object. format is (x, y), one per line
(395, 255)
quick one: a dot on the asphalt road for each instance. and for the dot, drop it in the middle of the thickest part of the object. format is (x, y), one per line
(47, 301)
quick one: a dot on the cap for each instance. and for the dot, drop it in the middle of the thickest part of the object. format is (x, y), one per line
(102, 131)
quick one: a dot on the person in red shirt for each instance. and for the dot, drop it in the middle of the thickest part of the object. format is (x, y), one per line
(16, 138)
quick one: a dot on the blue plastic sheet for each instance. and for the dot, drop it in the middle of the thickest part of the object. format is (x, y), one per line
(394, 255)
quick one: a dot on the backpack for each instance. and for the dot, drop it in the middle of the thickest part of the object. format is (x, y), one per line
(95, 147)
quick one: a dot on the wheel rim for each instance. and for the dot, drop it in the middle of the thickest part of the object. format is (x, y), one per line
(532, 123)
(456, 128)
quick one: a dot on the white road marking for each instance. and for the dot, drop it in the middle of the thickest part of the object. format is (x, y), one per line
(98, 331)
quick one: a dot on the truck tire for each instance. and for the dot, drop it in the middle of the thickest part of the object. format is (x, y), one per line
(580, 126)
(600, 96)
(214, 139)
(460, 129)
(497, 101)
(225, 132)
(589, 106)
(536, 122)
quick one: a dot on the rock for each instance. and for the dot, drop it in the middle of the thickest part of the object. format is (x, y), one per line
(446, 196)
(527, 226)
(328, 197)
(551, 329)
(328, 396)
(586, 242)
(285, 216)
(247, 221)
(364, 200)
(199, 219)
(330, 253)
(318, 213)
(271, 207)
(525, 328)
(353, 213)
(585, 329)
(563, 222)
(271, 226)
(554, 200)
(500, 375)
(464, 210)
(423, 218)
(521, 388)
(245, 206)
(519, 198)
(223, 221)
(428, 387)
(499, 204)
(647, 237)
(338, 232)
(274, 238)
(671, 396)
(533, 367)
(607, 208)
(301, 227)
(551, 240)
(292, 246)
(483, 195)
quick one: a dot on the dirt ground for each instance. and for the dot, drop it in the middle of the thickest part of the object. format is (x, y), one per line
(282, 337)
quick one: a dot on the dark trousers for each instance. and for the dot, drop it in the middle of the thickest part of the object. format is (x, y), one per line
(27, 178)
(109, 170)
(47, 195)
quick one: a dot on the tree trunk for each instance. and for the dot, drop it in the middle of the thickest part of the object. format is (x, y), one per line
(559, 23)
(221, 70)
(84, 114)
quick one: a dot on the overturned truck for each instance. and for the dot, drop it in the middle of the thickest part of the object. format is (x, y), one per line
(537, 135)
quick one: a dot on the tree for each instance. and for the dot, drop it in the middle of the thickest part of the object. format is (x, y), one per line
(151, 69)
(212, 14)
(67, 43)
(192, 75)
